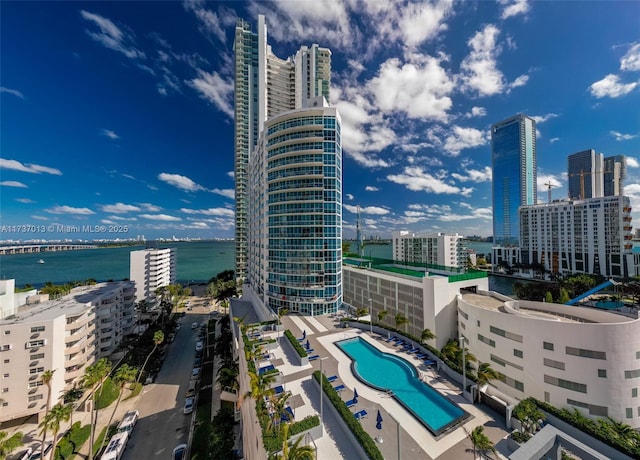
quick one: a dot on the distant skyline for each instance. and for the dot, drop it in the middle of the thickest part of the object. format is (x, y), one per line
(120, 114)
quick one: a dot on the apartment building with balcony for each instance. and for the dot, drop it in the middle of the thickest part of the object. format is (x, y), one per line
(580, 236)
(568, 356)
(433, 248)
(65, 336)
(151, 269)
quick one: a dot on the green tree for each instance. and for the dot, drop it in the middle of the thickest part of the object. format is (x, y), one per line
(123, 375)
(47, 377)
(222, 435)
(51, 422)
(481, 443)
(260, 385)
(486, 373)
(294, 451)
(427, 335)
(401, 320)
(564, 296)
(548, 297)
(9, 443)
(158, 338)
(361, 312)
(93, 378)
(382, 315)
(529, 415)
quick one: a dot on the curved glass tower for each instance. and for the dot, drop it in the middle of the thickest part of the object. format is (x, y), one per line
(295, 211)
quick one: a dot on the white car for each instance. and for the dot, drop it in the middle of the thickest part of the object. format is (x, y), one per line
(195, 373)
(188, 405)
(194, 326)
(199, 346)
(179, 452)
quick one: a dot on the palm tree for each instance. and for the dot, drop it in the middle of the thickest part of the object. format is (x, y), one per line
(481, 443)
(622, 430)
(259, 385)
(381, 315)
(123, 375)
(9, 443)
(47, 376)
(158, 338)
(360, 312)
(486, 373)
(401, 320)
(427, 335)
(295, 451)
(279, 405)
(93, 378)
(58, 414)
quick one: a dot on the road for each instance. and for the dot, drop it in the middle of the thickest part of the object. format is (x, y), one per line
(162, 425)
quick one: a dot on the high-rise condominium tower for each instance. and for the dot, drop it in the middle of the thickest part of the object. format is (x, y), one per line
(265, 86)
(513, 152)
(591, 175)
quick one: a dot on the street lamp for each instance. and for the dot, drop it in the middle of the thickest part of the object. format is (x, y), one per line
(321, 397)
(278, 313)
(464, 367)
(370, 318)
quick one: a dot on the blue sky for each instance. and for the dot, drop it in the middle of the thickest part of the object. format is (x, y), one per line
(119, 114)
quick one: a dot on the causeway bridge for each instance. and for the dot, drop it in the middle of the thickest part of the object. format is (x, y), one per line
(48, 247)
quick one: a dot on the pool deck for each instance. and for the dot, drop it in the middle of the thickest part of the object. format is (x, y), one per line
(416, 440)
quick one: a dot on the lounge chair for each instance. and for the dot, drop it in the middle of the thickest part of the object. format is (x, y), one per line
(309, 350)
(278, 390)
(351, 403)
(414, 350)
(339, 388)
(360, 414)
(429, 362)
(392, 339)
(287, 415)
(264, 369)
(421, 355)
(314, 357)
(408, 347)
(333, 378)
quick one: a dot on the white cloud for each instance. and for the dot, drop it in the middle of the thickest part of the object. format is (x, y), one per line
(542, 118)
(611, 86)
(211, 22)
(119, 208)
(479, 69)
(416, 179)
(631, 162)
(544, 179)
(622, 137)
(15, 92)
(40, 217)
(476, 112)
(631, 60)
(127, 219)
(519, 81)
(514, 7)
(420, 89)
(227, 193)
(475, 175)
(349, 196)
(69, 210)
(111, 36)
(478, 213)
(149, 207)
(371, 188)
(30, 168)
(107, 222)
(457, 138)
(12, 183)
(422, 21)
(554, 139)
(25, 200)
(222, 212)
(231, 174)
(110, 134)
(215, 89)
(162, 217)
(375, 210)
(181, 182)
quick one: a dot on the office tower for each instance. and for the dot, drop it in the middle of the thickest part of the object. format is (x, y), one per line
(614, 172)
(265, 86)
(513, 152)
(433, 249)
(585, 174)
(294, 209)
(151, 269)
(583, 236)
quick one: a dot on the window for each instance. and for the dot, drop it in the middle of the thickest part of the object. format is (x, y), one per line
(634, 392)
(505, 334)
(37, 329)
(547, 346)
(518, 353)
(584, 353)
(634, 374)
(36, 370)
(600, 411)
(629, 412)
(6, 347)
(478, 323)
(35, 398)
(36, 343)
(36, 356)
(602, 373)
(566, 384)
(554, 364)
(547, 397)
(489, 342)
(35, 384)
(5, 376)
(5, 390)
(6, 361)
(7, 332)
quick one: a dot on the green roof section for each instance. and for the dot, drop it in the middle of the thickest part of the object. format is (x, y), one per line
(415, 270)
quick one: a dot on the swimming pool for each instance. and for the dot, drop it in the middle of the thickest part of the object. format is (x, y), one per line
(387, 372)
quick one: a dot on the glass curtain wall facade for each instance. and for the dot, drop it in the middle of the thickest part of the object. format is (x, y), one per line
(585, 174)
(513, 146)
(295, 225)
(615, 170)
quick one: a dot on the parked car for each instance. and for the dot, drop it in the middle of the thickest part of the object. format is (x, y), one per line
(195, 373)
(188, 405)
(179, 452)
(26, 454)
(36, 454)
(199, 346)
(194, 326)
(197, 362)
(171, 337)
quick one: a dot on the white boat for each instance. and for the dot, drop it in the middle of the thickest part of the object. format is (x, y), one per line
(41, 261)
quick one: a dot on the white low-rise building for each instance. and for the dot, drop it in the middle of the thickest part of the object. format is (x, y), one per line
(572, 357)
(433, 248)
(65, 336)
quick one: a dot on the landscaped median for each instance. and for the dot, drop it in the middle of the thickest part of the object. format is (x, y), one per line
(362, 437)
(300, 351)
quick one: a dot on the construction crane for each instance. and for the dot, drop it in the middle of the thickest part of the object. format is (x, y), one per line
(583, 173)
(549, 185)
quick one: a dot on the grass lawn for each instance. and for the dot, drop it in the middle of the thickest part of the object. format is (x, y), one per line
(72, 441)
(108, 394)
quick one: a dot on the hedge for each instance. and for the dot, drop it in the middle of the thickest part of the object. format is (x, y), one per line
(301, 351)
(629, 445)
(363, 438)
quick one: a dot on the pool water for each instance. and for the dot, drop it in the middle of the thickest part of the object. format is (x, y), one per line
(387, 372)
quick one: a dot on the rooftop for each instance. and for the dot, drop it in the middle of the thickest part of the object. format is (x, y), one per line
(412, 269)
